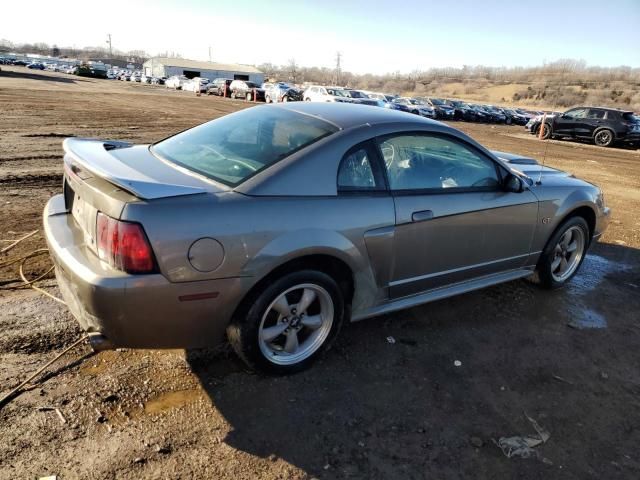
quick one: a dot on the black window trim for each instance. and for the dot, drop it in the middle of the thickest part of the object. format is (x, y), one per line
(377, 169)
(500, 171)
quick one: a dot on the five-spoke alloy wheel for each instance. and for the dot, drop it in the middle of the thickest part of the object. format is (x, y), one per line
(564, 253)
(284, 326)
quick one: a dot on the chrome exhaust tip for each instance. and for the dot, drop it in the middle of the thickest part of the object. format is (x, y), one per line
(99, 342)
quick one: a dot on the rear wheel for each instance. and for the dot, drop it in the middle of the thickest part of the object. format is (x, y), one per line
(603, 137)
(287, 325)
(564, 253)
(248, 97)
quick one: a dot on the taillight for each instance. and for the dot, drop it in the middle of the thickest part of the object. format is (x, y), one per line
(124, 245)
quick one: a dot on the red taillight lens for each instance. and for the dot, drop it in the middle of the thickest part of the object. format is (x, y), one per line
(124, 245)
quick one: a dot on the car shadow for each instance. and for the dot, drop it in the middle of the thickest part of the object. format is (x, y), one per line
(421, 393)
(35, 75)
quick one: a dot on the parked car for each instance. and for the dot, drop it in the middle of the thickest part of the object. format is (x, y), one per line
(209, 232)
(176, 82)
(604, 126)
(246, 90)
(494, 114)
(355, 94)
(382, 96)
(319, 93)
(514, 117)
(416, 107)
(36, 66)
(463, 111)
(196, 84)
(220, 86)
(158, 80)
(441, 108)
(533, 125)
(481, 115)
(281, 92)
(145, 79)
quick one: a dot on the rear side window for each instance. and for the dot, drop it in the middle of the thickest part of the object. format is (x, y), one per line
(595, 113)
(235, 147)
(358, 171)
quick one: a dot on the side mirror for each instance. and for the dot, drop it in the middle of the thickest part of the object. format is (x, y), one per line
(514, 184)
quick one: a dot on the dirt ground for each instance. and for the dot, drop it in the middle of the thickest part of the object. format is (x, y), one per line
(369, 408)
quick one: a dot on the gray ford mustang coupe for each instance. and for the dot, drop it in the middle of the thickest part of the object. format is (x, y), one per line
(275, 224)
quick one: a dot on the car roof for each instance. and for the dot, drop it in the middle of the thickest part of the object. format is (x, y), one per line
(348, 115)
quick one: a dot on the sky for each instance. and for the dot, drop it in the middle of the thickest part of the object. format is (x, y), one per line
(373, 36)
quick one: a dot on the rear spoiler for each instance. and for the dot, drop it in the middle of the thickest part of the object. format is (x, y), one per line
(94, 156)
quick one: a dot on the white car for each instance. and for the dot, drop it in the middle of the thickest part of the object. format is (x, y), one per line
(176, 82)
(319, 93)
(196, 84)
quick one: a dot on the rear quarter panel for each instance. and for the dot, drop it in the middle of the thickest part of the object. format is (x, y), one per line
(260, 233)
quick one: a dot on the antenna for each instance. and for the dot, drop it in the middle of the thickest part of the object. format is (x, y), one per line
(543, 124)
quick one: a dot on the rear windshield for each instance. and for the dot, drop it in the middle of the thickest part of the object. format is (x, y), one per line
(235, 147)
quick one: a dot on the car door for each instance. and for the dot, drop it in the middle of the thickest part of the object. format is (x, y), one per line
(594, 119)
(571, 123)
(454, 220)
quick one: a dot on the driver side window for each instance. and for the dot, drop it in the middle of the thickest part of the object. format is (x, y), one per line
(419, 162)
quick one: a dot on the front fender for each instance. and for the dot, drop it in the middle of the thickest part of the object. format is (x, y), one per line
(553, 212)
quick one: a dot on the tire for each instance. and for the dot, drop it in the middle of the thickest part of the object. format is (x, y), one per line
(547, 134)
(549, 269)
(260, 314)
(248, 97)
(267, 99)
(603, 137)
(508, 121)
(285, 99)
(307, 99)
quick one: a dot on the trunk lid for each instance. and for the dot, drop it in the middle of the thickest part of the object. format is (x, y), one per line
(106, 175)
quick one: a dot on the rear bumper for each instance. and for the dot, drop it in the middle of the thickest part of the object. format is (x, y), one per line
(137, 311)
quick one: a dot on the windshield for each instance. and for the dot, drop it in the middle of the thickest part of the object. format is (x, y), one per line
(337, 93)
(235, 147)
(437, 101)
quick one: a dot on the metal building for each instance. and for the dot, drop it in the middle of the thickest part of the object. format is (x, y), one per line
(167, 67)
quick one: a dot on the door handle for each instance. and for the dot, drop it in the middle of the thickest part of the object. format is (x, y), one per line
(422, 216)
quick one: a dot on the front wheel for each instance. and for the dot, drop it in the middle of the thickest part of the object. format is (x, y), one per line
(287, 325)
(564, 253)
(547, 133)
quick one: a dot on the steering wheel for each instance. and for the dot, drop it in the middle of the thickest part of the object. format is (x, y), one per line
(389, 154)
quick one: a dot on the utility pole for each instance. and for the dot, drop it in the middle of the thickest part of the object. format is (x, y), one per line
(209, 53)
(109, 42)
(338, 57)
